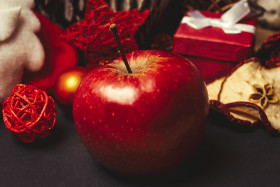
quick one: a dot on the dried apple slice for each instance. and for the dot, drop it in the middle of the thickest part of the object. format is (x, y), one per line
(243, 113)
(214, 88)
(239, 85)
(249, 94)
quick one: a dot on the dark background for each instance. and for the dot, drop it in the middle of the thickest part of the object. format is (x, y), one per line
(226, 156)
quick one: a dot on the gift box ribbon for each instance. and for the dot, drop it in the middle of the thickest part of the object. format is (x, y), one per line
(228, 21)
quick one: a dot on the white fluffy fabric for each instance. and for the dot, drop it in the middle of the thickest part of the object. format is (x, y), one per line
(19, 46)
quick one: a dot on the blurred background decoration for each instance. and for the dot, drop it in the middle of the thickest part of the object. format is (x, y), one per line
(157, 31)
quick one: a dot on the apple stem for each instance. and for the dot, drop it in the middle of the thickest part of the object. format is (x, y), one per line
(113, 28)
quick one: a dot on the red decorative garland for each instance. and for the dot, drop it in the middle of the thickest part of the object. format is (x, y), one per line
(93, 36)
(270, 51)
(29, 113)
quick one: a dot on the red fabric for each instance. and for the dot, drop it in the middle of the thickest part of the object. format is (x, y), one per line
(59, 56)
(212, 42)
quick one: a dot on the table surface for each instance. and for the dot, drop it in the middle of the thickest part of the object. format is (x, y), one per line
(226, 156)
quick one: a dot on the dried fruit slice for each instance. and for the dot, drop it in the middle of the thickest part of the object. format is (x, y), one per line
(214, 88)
(249, 94)
(243, 113)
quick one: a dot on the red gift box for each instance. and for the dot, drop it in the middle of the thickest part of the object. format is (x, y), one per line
(211, 69)
(213, 45)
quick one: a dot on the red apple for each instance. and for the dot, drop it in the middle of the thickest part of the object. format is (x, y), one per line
(144, 123)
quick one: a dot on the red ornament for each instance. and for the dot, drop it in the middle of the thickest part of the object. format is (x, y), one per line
(269, 54)
(66, 86)
(93, 36)
(29, 113)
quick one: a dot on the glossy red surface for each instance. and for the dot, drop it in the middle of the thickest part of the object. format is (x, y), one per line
(144, 123)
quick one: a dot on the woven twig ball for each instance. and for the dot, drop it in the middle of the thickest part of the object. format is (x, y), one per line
(29, 113)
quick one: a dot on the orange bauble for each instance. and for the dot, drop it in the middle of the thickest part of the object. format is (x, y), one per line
(66, 86)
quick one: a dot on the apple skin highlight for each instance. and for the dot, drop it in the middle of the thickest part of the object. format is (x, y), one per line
(145, 123)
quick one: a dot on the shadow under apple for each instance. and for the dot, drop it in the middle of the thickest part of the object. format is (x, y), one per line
(210, 157)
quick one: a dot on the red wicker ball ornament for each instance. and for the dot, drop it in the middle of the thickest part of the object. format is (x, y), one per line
(29, 113)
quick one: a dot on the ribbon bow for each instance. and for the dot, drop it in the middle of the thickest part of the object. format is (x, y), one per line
(228, 21)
